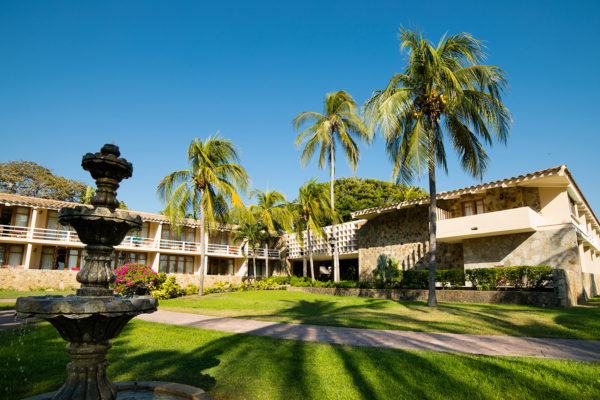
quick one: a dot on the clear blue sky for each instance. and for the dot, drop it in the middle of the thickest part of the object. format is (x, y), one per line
(152, 75)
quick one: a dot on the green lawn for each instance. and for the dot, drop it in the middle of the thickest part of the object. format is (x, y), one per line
(229, 366)
(359, 312)
(13, 294)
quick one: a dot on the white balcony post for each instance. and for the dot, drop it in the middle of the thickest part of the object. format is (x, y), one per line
(32, 223)
(157, 237)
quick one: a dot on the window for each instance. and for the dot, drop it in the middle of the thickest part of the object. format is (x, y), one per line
(220, 266)
(11, 255)
(15, 255)
(61, 258)
(124, 257)
(472, 207)
(172, 264)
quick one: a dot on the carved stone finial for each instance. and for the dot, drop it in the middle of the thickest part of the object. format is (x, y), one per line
(108, 170)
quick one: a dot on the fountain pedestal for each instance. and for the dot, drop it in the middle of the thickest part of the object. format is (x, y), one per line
(95, 315)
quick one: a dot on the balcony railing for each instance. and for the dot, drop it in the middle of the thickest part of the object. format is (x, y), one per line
(42, 235)
(54, 235)
(583, 232)
(9, 231)
(214, 248)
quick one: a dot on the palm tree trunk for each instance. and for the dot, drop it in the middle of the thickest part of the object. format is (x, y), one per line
(267, 259)
(336, 256)
(432, 299)
(312, 265)
(254, 262)
(202, 247)
(304, 268)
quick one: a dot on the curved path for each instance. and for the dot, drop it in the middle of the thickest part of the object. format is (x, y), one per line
(566, 349)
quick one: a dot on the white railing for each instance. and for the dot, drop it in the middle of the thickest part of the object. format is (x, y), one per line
(131, 242)
(13, 231)
(215, 248)
(137, 242)
(443, 214)
(56, 235)
(178, 245)
(260, 252)
(585, 235)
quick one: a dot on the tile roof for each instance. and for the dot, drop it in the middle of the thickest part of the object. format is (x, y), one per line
(15, 200)
(470, 189)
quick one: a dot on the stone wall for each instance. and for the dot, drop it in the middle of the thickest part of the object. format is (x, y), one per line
(404, 236)
(26, 279)
(557, 248)
(543, 299)
(497, 199)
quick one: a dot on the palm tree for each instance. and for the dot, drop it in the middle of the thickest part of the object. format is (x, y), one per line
(340, 125)
(443, 91)
(252, 233)
(272, 212)
(214, 178)
(309, 210)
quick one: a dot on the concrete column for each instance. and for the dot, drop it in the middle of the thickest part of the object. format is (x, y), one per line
(156, 262)
(32, 222)
(28, 250)
(158, 235)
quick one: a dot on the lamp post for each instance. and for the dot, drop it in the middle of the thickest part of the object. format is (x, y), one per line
(332, 242)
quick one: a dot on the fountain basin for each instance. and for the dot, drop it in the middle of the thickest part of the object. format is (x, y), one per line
(148, 390)
(77, 307)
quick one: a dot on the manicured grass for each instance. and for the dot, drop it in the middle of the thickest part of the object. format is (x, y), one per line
(305, 308)
(13, 294)
(229, 366)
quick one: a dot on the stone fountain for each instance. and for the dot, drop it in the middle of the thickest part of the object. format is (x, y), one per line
(95, 315)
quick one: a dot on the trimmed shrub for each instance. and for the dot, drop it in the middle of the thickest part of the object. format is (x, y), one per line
(191, 289)
(169, 290)
(519, 277)
(415, 279)
(135, 279)
(453, 278)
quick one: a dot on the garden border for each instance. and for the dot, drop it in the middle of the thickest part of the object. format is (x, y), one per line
(542, 299)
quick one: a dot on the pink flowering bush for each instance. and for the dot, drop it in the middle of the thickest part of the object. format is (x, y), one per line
(136, 279)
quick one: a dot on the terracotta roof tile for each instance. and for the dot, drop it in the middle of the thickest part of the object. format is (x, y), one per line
(458, 192)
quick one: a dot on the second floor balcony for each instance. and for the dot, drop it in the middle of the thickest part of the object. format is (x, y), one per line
(59, 237)
(515, 220)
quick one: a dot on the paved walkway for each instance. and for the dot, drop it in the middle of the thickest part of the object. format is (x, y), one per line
(567, 349)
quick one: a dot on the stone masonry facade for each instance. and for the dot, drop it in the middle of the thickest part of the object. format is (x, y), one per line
(403, 236)
(29, 279)
(496, 200)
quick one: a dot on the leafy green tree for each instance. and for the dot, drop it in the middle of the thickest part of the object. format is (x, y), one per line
(339, 125)
(353, 194)
(253, 233)
(443, 92)
(309, 211)
(270, 210)
(26, 178)
(213, 180)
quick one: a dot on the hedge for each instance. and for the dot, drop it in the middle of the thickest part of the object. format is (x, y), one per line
(523, 277)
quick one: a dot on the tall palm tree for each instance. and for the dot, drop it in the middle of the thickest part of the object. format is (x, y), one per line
(443, 91)
(252, 233)
(340, 124)
(309, 210)
(214, 178)
(272, 212)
